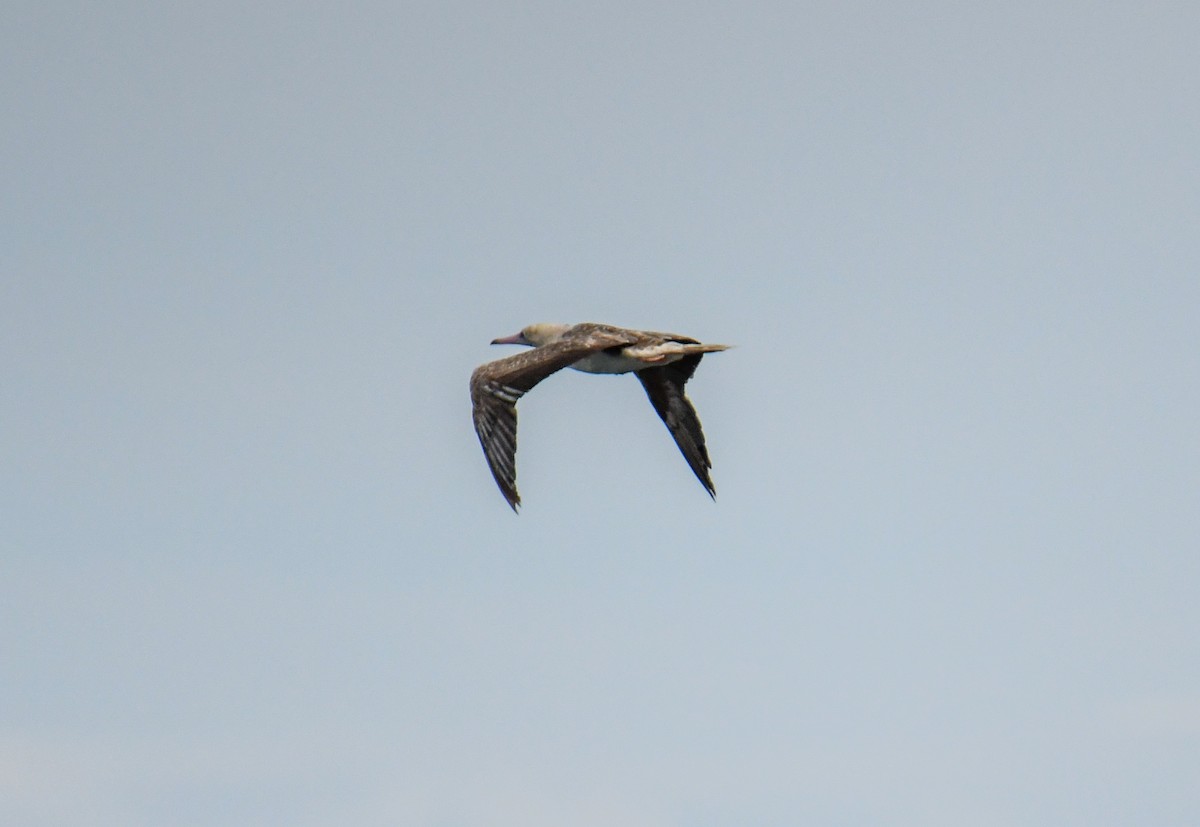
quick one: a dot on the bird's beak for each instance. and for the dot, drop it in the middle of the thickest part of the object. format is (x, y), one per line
(515, 339)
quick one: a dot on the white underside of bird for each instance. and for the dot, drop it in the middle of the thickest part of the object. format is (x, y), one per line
(630, 359)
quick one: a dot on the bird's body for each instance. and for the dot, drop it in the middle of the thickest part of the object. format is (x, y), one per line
(663, 362)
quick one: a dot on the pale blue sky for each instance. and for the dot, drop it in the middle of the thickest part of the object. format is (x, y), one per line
(255, 571)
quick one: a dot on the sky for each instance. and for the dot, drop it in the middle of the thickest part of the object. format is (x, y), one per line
(254, 570)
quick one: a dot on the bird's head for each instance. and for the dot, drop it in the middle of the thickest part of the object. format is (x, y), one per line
(535, 335)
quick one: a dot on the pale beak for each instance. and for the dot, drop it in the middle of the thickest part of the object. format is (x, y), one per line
(515, 339)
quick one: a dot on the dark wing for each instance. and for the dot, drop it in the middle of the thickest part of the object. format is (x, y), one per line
(664, 386)
(495, 389)
(672, 337)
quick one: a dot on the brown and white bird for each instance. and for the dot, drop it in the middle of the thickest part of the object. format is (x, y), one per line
(663, 362)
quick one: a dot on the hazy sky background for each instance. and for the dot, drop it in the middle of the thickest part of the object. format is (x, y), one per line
(255, 570)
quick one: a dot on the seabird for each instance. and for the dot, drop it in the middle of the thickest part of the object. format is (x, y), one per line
(663, 362)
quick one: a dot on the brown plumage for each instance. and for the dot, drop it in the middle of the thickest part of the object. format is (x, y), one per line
(663, 362)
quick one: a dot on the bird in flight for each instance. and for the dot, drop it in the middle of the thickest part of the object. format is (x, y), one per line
(662, 362)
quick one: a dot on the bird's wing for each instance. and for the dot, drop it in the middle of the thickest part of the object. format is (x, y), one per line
(496, 387)
(670, 337)
(664, 386)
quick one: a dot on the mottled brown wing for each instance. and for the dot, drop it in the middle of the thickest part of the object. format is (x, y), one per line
(664, 386)
(496, 387)
(671, 337)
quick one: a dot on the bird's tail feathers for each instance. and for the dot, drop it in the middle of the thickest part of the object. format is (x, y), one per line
(689, 349)
(662, 351)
